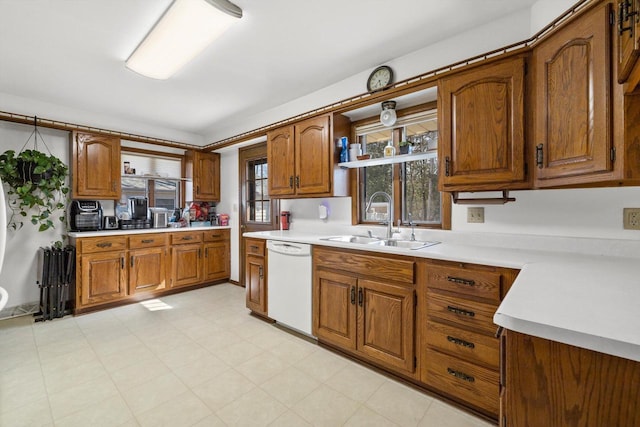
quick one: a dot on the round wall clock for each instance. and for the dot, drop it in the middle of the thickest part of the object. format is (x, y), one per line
(380, 78)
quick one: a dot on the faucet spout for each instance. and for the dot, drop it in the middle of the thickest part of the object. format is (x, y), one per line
(389, 211)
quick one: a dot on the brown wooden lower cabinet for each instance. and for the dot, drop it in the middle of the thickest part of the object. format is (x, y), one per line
(459, 353)
(255, 264)
(547, 383)
(363, 312)
(186, 264)
(103, 278)
(147, 270)
(121, 268)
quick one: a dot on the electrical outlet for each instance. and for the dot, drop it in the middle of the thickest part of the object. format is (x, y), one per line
(475, 214)
(631, 218)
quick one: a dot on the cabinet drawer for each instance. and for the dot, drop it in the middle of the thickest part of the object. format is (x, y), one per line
(474, 384)
(255, 247)
(464, 344)
(467, 281)
(185, 237)
(147, 240)
(399, 270)
(462, 312)
(103, 244)
(216, 235)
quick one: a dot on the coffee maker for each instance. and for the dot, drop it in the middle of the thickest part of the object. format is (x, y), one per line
(138, 207)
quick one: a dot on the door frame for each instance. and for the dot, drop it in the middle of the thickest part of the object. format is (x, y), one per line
(247, 154)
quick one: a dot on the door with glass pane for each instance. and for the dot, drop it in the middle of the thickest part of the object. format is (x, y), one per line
(257, 210)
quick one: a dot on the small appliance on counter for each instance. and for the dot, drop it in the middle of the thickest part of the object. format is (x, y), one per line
(85, 215)
(285, 220)
(159, 217)
(138, 207)
(110, 222)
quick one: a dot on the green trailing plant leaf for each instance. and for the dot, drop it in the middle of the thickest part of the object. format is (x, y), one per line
(36, 187)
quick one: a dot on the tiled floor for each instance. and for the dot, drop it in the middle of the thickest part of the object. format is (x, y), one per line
(203, 362)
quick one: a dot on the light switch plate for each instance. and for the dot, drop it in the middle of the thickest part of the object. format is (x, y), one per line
(475, 215)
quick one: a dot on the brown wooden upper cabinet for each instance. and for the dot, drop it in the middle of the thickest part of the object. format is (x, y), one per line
(481, 119)
(572, 112)
(628, 33)
(204, 170)
(95, 170)
(302, 158)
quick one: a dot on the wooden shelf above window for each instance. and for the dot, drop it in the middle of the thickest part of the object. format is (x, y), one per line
(401, 158)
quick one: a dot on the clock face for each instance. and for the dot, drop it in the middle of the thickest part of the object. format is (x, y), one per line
(380, 78)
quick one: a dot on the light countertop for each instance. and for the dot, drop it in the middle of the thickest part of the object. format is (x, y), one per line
(586, 300)
(117, 232)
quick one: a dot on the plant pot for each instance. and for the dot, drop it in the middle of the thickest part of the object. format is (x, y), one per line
(405, 149)
(26, 172)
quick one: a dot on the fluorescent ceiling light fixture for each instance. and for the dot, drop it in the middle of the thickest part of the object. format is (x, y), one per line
(186, 29)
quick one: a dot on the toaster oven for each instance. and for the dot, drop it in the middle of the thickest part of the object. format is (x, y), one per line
(85, 215)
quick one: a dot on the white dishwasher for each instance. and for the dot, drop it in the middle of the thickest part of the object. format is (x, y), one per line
(289, 284)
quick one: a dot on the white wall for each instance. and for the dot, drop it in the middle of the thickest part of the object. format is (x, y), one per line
(511, 29)
(229, 193)
(18, 274)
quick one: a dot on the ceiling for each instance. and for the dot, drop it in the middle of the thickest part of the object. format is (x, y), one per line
(71, 53)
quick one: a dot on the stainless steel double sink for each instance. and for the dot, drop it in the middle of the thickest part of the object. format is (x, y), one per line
(366, 240)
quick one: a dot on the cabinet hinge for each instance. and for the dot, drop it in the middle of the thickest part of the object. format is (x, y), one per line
(612, 17)
(613, 154)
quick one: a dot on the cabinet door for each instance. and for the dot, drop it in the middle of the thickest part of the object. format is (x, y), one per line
(481, 117)
(334, 308)
(256, 276)
(386, 318)
(206, 176)
(103, 277)
(281, 161)
(572, 114)
(313, 156)
(147, 270)
(186, 265)
(96, 166)
(217, 264)
(628, 37)
(553, 384)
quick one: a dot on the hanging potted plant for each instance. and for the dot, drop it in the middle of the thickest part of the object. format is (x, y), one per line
(37, 187)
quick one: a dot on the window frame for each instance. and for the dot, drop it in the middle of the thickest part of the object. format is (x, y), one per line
(152, 153)
(357, 181)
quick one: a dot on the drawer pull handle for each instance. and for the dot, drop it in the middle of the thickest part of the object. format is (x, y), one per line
(147, 241)
(460, 311)
(460, 375)
(215, 235)
(461, 281)
(187, 238)
(104, 245)
(458, 341)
